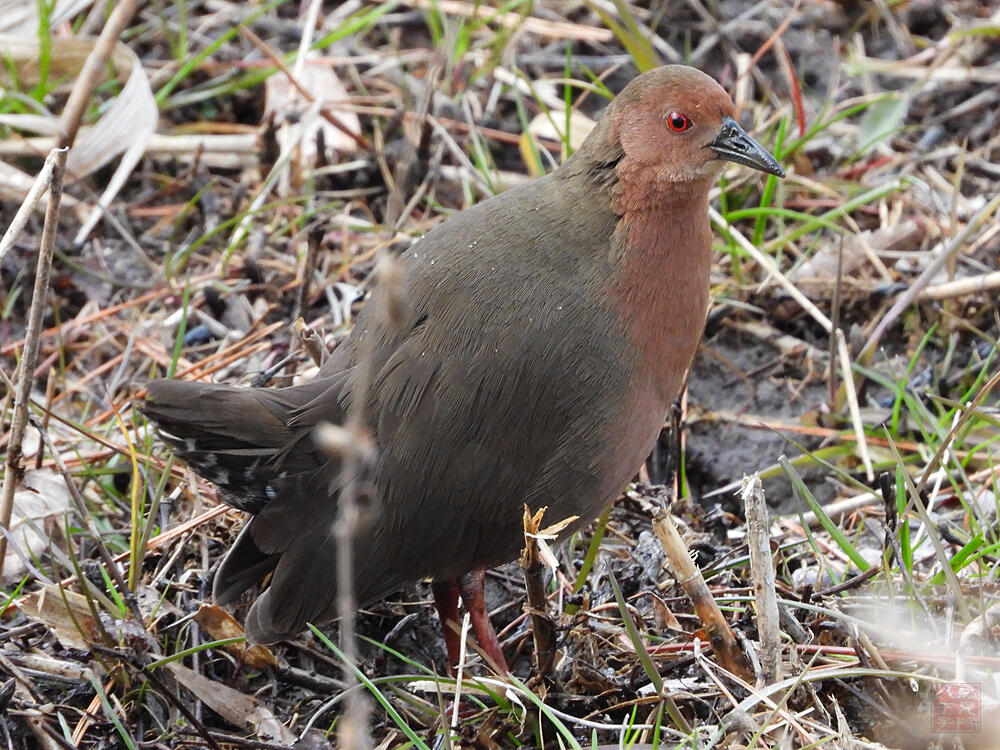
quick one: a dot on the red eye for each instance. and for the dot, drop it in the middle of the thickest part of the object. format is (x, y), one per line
(678, 122)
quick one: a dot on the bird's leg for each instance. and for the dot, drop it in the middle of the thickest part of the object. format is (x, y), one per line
(446, 603)
(471, 586)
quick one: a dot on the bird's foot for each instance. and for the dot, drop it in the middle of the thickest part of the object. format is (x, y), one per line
(470, 588)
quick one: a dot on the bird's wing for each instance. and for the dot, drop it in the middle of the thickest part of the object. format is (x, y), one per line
(490, 398)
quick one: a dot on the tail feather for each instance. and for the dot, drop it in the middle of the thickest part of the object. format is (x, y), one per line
(243, 566)
(238, 438)
(256, 445)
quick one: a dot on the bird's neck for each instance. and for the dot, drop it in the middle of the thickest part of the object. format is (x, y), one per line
(663, 242)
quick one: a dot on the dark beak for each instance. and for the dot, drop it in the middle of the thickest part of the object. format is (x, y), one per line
(734, 144)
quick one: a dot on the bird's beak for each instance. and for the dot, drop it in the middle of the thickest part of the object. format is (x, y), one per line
(735, 144)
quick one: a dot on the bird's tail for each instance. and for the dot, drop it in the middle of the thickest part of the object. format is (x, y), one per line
(241, 439)
(256, 445)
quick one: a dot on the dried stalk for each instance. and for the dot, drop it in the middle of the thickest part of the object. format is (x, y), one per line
(543, 629)
(762, 574)
(986, 282)
(13, 471)
(348, 444)
(34, 719)
(852, 403)
(727, 650)
(353, 445)
(94, 70)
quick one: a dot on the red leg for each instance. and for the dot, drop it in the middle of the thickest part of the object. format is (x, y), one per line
(471, 586)
(446, 603)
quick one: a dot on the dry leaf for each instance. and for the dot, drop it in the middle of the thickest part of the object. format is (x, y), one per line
(553, 127)
(239, 709)
(65, 612)
(39, 504)
(123, 129)
(220, 625)
(69, 616)
(298, 120)
(665, 618)
(15, 184)
(553, 531)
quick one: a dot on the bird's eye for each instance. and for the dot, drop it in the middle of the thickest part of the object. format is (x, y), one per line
(678, 122)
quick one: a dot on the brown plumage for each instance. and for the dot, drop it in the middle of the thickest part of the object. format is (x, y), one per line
(546, 332)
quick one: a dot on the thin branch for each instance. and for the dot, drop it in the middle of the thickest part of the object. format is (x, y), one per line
(13, 470)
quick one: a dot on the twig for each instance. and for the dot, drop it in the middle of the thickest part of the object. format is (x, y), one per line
(463, 643)
(835, 320)
(313, 239)
(847, 585)
(543, 629)
(727, 651)
(23, 690)
(91, 74)
(959, 287)
(129, 661)
(310, 341)
(840, 508)
(231, 150)
(171, 534)
(964, 74)
(93, 71)
(324, 112)
(354, 447)
(511, 20)
(775, 36)
(63, 330)
(12, 463)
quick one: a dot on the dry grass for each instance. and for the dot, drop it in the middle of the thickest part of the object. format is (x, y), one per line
(854, 329)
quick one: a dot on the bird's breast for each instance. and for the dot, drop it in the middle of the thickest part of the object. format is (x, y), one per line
(660, 290)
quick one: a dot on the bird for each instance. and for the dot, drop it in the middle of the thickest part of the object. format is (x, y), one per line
(543, 335)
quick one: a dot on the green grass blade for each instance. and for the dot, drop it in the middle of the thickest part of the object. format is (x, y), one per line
(800, 489)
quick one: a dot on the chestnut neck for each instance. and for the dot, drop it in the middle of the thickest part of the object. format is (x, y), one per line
(663, 242)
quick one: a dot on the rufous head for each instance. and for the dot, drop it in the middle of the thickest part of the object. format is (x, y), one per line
(677, 124)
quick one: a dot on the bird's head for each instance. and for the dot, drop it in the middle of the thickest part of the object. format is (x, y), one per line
(677, 124)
